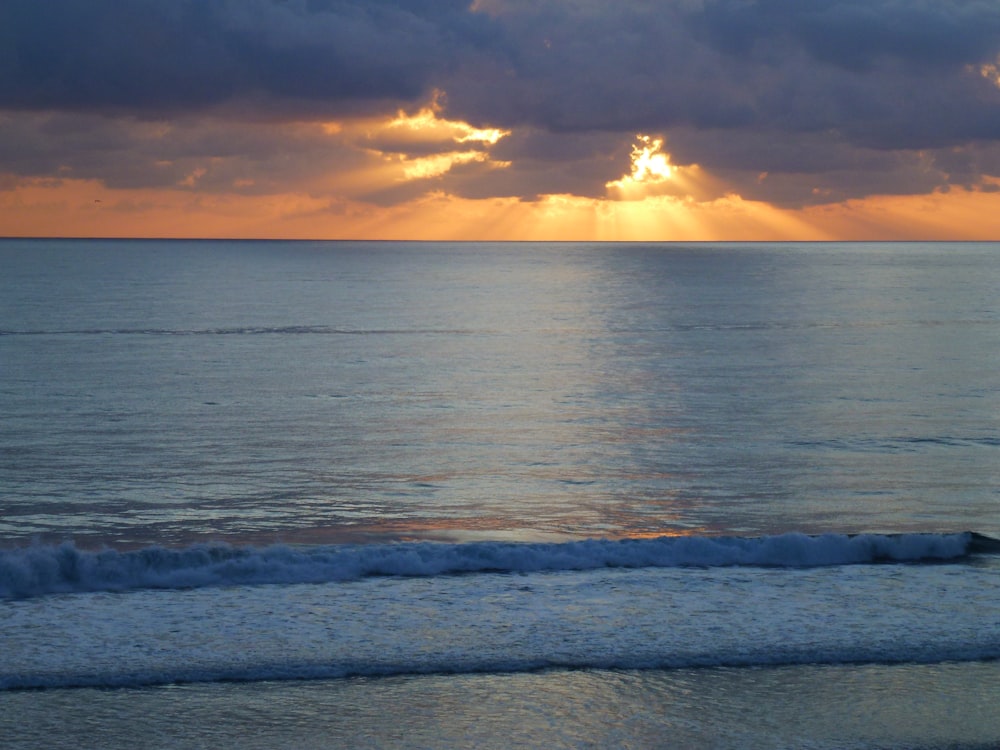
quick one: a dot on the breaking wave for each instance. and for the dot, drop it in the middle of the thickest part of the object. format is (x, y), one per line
(48, 569)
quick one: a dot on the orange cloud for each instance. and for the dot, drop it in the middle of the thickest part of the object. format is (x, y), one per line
(419, 146)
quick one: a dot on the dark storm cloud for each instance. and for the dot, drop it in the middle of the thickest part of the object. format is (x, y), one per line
(168, 56)
(857, 65)
(854, 34)
(830, 98)
(869, 69)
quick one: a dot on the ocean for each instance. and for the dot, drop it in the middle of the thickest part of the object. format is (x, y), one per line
(563, 495)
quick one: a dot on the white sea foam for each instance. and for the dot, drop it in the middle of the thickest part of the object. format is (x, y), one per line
(40, 569)
(602, 618)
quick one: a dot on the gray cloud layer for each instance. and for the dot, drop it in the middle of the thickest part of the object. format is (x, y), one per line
(831, 98)
(157, 57)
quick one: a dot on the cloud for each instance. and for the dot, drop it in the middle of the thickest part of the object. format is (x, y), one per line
(785, 101)
(854, 34)
(877, 71)
(160, 57)
(210, 154)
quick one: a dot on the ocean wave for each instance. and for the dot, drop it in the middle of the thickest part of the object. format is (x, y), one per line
(48, 569)
(279, 672)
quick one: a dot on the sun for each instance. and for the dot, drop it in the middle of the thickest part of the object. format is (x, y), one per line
(649, 164)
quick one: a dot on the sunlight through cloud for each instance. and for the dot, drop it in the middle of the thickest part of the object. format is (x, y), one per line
(419, 145)
(652, 175)
(426, 124)
(439, 164)
(649, 163)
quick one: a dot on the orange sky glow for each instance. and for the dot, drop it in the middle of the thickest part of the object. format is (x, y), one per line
(634, 209)
(415, 152)
(501, 120)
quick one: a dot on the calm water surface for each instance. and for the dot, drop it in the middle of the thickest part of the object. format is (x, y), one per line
(163, 392)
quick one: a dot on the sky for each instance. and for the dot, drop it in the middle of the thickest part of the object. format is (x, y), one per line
(501, 119)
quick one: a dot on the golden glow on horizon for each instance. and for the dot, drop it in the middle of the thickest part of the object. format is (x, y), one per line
(86, 208)
(385, 178)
